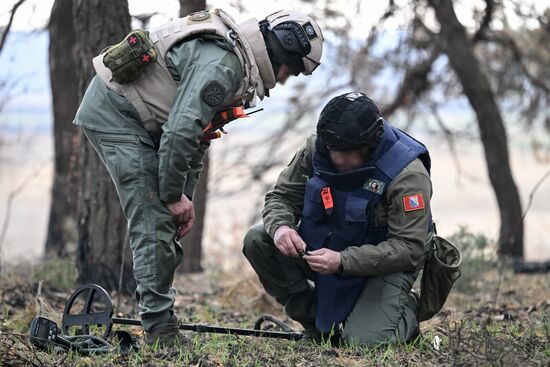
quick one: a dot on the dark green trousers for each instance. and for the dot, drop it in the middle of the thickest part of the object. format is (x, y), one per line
(385, 311)
(132, 162)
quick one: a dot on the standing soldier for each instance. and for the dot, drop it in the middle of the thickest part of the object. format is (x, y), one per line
(357, 197)
(145, 113)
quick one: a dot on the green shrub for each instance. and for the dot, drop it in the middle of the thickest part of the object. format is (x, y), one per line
(57, 273)
(478, 255)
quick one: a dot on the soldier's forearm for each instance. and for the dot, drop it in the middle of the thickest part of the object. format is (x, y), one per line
(189, 115)
(276, 215)
(391, 256)
(195, 169)
(177, 148)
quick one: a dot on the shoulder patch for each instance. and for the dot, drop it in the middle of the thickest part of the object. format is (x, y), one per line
(213, 93)
(413, 202)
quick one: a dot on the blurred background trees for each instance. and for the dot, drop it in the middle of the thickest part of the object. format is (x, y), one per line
(64, 86)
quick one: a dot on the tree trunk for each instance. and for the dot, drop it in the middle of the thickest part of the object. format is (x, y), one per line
(102, 242)
(64, 86)
(192, 243)
(459, 50)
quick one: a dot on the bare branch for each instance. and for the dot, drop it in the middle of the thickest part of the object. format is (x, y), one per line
(489, 11)
(6, 30)
(519, 224)
(532, 193)
(508, 42)
(414, 84)
(449, 136)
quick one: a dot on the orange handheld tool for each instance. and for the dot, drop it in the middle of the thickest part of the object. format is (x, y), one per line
(214, 129)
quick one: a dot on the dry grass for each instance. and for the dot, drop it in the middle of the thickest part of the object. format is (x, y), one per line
(502, 321)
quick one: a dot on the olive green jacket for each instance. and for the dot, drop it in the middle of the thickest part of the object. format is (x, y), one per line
(194, 64)
(404, 248)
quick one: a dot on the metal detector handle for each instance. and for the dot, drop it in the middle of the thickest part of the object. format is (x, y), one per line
(289, 335)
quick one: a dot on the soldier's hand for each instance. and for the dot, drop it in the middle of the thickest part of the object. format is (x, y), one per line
(184, 215)
(288, 241)
(323, 261)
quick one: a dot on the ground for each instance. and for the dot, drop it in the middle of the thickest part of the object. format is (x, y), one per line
(493, 317)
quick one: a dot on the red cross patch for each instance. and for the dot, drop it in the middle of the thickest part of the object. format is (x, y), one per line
(413, 202)
(145, 58)
(132, 40)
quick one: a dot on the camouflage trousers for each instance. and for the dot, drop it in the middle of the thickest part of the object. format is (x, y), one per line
(132, 162)
(385, 311)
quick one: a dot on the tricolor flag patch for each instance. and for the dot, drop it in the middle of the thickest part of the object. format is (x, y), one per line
(413, 202)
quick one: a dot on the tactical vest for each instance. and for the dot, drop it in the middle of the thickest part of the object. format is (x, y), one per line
(351, 222)
(153, 92)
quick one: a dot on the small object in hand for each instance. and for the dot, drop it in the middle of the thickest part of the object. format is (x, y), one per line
(303, 253)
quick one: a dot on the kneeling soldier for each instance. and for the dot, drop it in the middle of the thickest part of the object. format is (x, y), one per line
(351, 213)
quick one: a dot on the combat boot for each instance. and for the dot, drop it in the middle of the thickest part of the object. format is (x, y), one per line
(168, 335)
(414, 299)
(310, 335)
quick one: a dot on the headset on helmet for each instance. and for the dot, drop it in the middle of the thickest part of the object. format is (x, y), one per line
(294, 39)
(350, 121)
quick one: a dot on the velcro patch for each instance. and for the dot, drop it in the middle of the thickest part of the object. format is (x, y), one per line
(199, 16)
(413, 202)
(310, 31)
(375, 186)
(213, 93)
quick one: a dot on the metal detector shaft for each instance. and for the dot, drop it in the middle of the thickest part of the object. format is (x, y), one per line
(289, 335)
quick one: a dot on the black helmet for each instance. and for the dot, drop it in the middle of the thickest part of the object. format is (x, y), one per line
(294, 39)
(350, 121)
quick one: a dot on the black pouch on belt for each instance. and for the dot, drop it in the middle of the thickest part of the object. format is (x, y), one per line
(441, 270)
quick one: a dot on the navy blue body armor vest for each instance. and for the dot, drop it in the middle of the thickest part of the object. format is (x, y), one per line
(351, 222)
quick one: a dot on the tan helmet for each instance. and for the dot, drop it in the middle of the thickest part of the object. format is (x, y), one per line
(300, 41)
